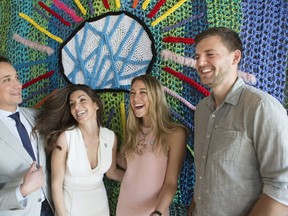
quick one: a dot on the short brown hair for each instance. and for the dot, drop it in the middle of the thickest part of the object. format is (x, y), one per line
(229, 37)
(4, 59)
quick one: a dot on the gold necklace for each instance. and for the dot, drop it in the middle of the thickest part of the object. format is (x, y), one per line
(142, 144)
(145, 134)
(143, 140)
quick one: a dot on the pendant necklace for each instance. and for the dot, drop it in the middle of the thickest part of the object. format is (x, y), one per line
(143, 140)
(142, 144)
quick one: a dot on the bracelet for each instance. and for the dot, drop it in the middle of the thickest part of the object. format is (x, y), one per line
(156, 212)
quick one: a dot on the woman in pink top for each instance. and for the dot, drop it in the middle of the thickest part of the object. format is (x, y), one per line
(154, 150)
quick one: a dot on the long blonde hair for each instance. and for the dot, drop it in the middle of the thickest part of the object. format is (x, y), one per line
(161, 119)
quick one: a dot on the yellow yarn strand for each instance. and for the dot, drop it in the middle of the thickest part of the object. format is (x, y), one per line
(123, 117)
(190, 150)
(80, 6)
(145, 4)
(171, 10)
(43, 30)
(117, 3)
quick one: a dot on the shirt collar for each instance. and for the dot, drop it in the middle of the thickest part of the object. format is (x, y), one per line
(5, 114)
(233, 95)
(235, 92)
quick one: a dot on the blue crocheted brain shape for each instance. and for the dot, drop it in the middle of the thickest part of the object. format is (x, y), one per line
(107, 53)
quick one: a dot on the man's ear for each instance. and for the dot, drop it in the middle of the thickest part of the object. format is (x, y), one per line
(237, 56)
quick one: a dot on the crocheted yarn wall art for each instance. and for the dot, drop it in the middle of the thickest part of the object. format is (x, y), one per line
(107, 52)
(105, 43)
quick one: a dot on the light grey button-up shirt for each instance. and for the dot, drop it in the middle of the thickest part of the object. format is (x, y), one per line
(241, 151)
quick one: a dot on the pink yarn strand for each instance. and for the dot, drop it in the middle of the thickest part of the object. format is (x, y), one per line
(33, 45)
(175, 95)
(68, 10)
(168, 55)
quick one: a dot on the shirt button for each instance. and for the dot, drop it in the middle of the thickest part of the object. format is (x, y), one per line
(203, 157)
(208, 136)
(213, 116)
(199, 198)
(200, 177)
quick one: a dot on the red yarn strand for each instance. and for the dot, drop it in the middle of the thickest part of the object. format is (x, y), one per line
(106, 4)
(188, 80)
(31, 82)
(156, 8)
(49, 10)
(171, 39)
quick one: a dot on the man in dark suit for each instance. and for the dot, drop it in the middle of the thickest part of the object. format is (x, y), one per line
(24, 188)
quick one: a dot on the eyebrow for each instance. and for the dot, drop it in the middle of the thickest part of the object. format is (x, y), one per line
(6, 76)
(140, 89)
(205, 51)
(79, 97)
(209, 50)
(82, 96)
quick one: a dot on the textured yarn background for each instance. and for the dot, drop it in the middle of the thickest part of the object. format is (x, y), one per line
(262, 25)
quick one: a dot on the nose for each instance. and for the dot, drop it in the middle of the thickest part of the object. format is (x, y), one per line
(133, 95)
(201, 61)
(77, 105)
(17, 83)
(136, 96)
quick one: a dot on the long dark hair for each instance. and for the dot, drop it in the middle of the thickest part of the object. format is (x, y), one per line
(55, 116)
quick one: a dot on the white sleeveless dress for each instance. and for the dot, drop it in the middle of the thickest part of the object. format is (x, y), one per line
(84, 190)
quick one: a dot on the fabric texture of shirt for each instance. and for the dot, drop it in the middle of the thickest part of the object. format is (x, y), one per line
(241, 150)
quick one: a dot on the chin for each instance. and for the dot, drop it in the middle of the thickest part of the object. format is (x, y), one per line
(18, 102)
(138, 115)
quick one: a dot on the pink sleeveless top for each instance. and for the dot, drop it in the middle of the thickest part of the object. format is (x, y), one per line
(142, 181)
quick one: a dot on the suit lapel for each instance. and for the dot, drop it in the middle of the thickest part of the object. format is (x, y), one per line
(14, 143)
(30, 116)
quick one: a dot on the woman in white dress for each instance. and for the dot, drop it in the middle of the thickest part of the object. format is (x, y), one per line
(81, 151)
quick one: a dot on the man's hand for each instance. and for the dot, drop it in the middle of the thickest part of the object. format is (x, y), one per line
(33, 180)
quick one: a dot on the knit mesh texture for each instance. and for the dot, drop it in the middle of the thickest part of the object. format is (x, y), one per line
(262, 26)
(108, 52)
(266, 43)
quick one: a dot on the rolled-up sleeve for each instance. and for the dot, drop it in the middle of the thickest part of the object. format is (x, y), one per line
(271, 143)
